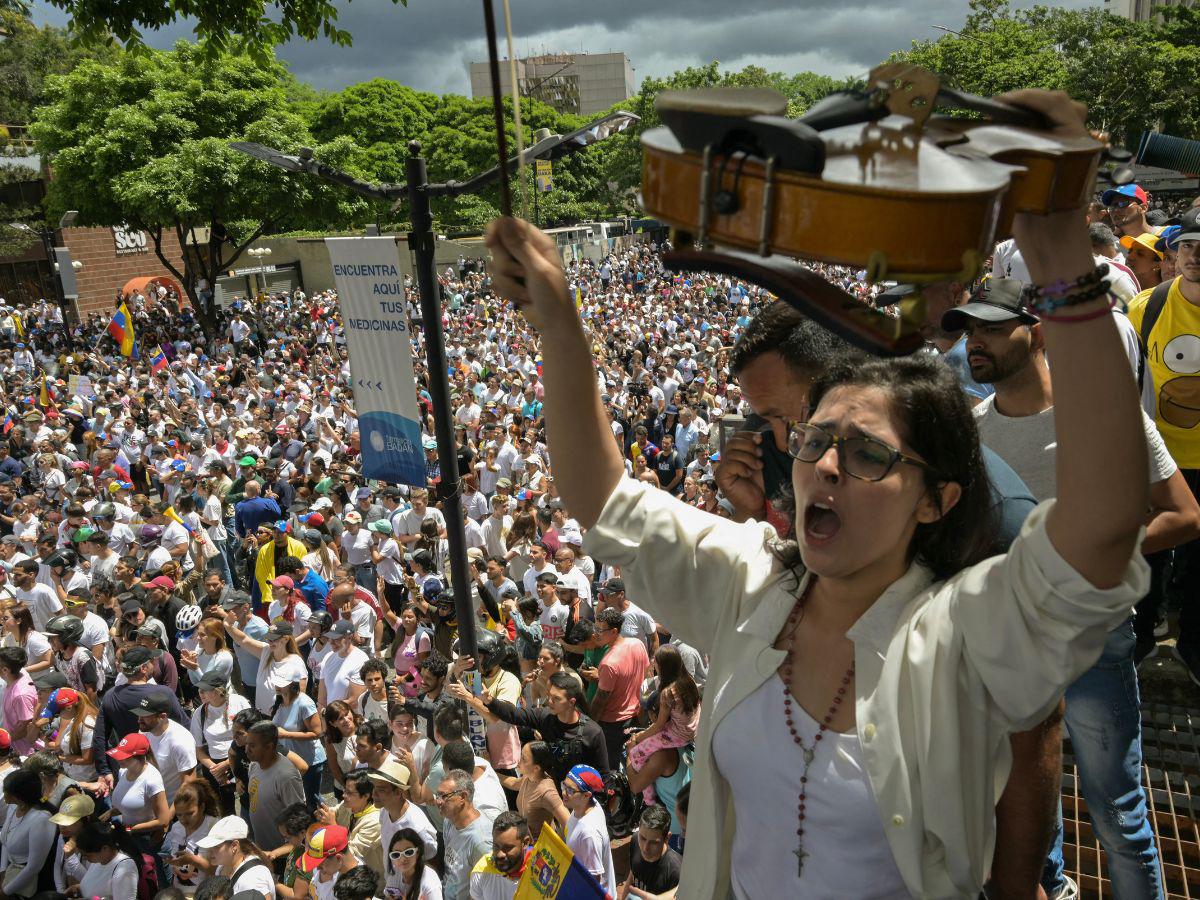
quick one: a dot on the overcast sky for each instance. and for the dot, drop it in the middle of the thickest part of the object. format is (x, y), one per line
(429, 44)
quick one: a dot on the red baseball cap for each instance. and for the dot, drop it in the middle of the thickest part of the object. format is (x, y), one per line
(136, 744)
(5, 739)
(162, 581)
(323, 842)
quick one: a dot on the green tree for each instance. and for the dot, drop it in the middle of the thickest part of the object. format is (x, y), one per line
(257, 26)
(144, 141)
(1133, 76)
(28, 55)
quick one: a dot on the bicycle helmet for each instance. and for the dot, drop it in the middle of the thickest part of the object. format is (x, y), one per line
(148, 534)
(104, 511)
(188, 618)
(68, 629)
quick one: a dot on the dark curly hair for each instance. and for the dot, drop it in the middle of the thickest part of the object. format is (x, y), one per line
(935, 420)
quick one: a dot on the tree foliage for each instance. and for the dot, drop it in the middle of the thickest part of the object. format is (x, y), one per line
(28, 55)
(257, 26)
(1133, 76)
(15, 241)
(144, 141)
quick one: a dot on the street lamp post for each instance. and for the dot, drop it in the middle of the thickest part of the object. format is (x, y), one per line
(260, 254)
(422, 242)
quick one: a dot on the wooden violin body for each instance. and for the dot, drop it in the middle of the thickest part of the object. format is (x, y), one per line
(869, 181)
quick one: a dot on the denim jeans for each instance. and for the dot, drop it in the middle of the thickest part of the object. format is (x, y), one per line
(312, 784)
(1104, 720)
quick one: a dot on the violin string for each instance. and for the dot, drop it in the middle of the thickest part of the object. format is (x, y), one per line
(489, 17)
(516, 100)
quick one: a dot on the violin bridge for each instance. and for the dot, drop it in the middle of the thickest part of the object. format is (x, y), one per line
(768, 208)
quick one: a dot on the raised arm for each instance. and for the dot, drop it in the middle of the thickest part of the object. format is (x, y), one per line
(1095, 521)
(527, 271)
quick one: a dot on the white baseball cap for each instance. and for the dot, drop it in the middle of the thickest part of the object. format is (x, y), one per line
(230, 828)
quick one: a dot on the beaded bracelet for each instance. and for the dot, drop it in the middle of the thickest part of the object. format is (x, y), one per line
(1063, 289)
(1086, 317)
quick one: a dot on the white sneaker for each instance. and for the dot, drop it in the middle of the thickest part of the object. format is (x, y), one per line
(1068, 891)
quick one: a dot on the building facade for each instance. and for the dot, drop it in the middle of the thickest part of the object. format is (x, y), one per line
(579, 83)
(1141, 10)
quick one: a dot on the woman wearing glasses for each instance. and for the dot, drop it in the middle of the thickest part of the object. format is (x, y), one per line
(872, 670)
(408, 877)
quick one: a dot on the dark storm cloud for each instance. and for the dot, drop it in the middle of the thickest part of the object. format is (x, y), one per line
(429, 44)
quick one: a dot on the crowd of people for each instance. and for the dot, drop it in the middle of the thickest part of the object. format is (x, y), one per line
(230, 657)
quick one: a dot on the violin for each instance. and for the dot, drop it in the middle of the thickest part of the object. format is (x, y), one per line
(872, 180)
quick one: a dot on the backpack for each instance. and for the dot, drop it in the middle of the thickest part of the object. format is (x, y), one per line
(147, 883)
(1154, 308)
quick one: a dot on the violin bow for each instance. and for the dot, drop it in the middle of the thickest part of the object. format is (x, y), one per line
(489, 22)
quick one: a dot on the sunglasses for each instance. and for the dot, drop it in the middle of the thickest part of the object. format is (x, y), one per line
(397, 855)
(442, 798)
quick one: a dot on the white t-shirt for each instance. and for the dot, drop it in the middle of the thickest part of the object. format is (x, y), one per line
(117, 879)
(431, 885)
(1029, 445)
(134, 800)
(268, 668)
(175, 535)
(338, 673)
(43, 603)
(79, 773)
(175, 752)
(413, 817)
(299, 622)
(216, 731)
(257, 878)
(554, 620)
(358, 550)
(587, 838)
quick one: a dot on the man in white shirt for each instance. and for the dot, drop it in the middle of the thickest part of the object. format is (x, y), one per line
(41, 599)
(587, 831)
(341, 670)
(172, 744)
(1005, 349)
(391, 781)
(411, 519)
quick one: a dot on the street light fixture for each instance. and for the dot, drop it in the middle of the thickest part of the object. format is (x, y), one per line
(422, 242)
(260, 254)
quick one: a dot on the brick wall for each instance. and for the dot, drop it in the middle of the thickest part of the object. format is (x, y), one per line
(104, 272)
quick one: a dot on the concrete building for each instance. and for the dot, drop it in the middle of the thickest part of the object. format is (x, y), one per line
(1140, 10)
(582, 83)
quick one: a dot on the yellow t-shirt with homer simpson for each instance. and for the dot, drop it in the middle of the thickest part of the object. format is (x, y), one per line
(1173, 361)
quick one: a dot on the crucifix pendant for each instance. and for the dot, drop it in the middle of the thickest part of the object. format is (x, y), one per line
(808, 756)
(800, 857)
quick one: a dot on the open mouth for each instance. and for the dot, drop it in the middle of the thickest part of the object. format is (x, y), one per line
(821, 524)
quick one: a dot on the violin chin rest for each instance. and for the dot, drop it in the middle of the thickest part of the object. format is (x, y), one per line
(810, 294)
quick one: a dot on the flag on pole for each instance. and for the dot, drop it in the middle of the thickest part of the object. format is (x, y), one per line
(20, 326)
(8, 423)
(553, 873)
(158, 361)
(47, 395)
(121, 329)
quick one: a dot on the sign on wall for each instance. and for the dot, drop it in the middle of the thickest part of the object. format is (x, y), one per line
(129, 241)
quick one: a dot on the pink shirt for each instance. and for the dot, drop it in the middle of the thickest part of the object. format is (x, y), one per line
(20, 705)
(621, 672)
(407, 660)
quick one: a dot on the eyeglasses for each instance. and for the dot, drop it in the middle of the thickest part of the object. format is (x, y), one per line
(569, 790)
(1121, 202)
(864, 458)
(439, 797)
(397, 855)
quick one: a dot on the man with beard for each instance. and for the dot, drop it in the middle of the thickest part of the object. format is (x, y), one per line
(1168, 321)
(1005, 349)
(1127, 206)
(496, 874)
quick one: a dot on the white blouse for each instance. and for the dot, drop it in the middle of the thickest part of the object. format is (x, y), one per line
(115, 880)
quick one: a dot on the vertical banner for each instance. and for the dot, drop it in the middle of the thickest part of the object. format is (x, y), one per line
(545, 175)
(366, 271)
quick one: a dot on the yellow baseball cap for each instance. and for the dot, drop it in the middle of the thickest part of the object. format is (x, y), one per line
(1147, 240)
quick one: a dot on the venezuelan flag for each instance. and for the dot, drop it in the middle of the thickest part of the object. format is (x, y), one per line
(553, 873)
(121, 329)
(46, 395)
(19, 325)
(158, 361)
(8, 424)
